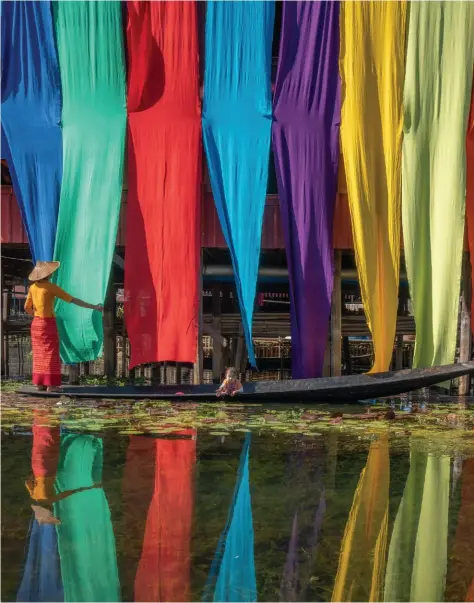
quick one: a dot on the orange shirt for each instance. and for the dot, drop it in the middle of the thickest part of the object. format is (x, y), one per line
(41, 298)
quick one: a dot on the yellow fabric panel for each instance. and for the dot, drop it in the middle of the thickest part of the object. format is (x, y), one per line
(362, 559)
(372, 69)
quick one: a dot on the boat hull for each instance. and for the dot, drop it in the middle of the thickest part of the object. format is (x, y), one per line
(333, 390)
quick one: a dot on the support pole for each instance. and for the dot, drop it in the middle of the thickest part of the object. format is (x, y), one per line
(110, 339)
(73, 370)
(241, 354)
(347, 354)
(465, 345)
(399, 353)
(198, 365)
(336, 317)
(216, 341)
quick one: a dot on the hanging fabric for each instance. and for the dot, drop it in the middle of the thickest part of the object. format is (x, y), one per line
(440, 58)
(306, 110)
(237, 114)
(31, 115)
(85, 536)
(90, 47)
(164, 571)
(470, 191)
(163, 245)
(362, 559)
(372, 70)
(414, 544)
(232, 574)
(461, 559)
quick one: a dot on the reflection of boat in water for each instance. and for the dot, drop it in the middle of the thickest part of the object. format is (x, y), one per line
(329, 389)
(232, 573)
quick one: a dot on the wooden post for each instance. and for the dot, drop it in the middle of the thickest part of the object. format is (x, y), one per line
(155, 373)
(178, 373)
(198, 365)
(241, 354)
(73, 370)
(347, 354)
(399, 353)
(465, 345)
(336, 317)
(4, 369)
(216, 340)
(110, 339)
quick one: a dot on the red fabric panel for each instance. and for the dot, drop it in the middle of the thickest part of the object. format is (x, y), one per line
(164, 569)
(45, 452)
(164, 178)
(470, 191)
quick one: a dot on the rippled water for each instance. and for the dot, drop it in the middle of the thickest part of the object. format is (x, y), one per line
(161, 502)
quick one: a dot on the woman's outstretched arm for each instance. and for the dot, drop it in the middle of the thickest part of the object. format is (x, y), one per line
(83, 304)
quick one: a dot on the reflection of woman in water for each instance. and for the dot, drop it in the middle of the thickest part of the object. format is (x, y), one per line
(44, 332)
(86, 540)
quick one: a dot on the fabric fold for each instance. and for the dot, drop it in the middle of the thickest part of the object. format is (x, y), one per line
(232, 574)
(372, 65)
(31, 115)
(164, 176)
(363, 551)
(439, 66)
(470, 192)
(306, 146)
(236, 122)
(90, 48)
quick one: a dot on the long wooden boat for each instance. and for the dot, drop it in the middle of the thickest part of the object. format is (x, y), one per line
(352, 388)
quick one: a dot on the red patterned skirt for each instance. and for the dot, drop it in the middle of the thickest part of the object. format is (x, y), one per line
(45, 345)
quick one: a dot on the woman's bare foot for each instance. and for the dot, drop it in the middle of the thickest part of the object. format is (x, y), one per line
(40, 388)
(53, 388)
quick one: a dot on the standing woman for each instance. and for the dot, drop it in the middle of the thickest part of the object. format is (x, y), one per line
(44, 332)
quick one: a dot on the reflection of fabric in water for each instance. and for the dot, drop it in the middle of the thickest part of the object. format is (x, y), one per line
(232, 574)
(416, 565)
(164, 570)
(460, 580)
(362, 558)
(42, 576)
(85, 536)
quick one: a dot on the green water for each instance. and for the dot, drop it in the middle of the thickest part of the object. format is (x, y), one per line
(174, 502)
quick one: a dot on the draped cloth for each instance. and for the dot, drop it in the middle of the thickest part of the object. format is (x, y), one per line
(85, 537)
(164, 570)
(440, 58)
(232, 574)
(372, 70)
(420, 533)
(164, 176)
(31, 114)
(470, 192)
(363, 551)
(90, 47)
(237, 114)
(306, 146)
(460, 577)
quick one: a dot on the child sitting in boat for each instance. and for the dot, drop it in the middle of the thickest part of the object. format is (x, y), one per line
(231, 384)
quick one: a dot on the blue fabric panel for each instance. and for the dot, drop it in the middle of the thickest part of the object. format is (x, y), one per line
(236, 122)
(232, 574)
(42, 574)
(31, 113)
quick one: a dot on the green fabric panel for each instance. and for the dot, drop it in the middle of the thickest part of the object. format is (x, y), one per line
(86, 539)
(420, 533)
(439, 66)
(91, 58)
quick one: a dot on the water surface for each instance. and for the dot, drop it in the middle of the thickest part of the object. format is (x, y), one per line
(162, 502)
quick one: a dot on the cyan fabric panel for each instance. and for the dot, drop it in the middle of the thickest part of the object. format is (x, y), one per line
(237, 119)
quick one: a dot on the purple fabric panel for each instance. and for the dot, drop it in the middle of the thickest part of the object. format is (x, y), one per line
(307, 109)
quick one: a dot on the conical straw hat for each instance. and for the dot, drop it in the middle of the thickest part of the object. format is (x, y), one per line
(42, 270)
